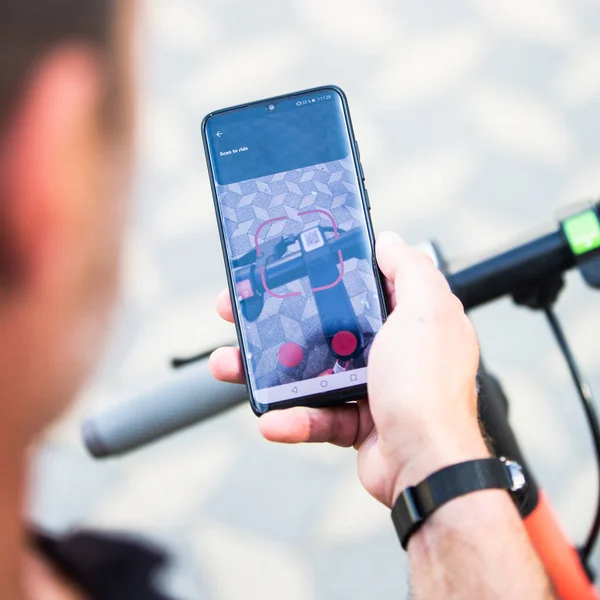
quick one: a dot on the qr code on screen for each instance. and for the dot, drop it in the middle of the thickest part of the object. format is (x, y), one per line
(312, 239)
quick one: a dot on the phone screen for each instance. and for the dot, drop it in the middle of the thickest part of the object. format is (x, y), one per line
(296, 233)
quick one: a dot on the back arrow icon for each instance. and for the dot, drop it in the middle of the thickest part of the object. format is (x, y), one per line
(219, 134)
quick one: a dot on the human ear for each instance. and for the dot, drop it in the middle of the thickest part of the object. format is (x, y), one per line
(46, 162)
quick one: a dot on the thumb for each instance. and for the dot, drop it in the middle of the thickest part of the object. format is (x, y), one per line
(391, 251)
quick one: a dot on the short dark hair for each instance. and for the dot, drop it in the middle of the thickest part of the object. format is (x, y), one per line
(29, 29)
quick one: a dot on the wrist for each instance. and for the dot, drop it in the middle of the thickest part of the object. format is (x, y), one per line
(436, 452)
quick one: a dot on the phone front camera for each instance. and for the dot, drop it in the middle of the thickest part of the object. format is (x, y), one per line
(271, 107)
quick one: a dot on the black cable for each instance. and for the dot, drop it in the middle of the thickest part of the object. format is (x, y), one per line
(178, 363)
(589, 406)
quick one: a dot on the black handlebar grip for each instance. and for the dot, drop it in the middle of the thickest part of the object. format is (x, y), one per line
(506, 273)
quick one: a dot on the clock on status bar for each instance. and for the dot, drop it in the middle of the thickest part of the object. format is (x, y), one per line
(312, 100)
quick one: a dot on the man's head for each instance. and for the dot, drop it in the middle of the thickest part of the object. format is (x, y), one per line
(65, 136)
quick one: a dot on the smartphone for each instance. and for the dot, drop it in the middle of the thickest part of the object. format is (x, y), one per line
(294, 219)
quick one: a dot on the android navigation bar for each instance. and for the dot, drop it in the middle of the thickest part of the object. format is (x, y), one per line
(309, 387)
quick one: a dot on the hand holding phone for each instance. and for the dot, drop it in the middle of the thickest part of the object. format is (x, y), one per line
(422, 408)
(293, 215)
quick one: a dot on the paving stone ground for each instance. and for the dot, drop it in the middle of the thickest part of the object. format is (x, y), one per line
(477, 121)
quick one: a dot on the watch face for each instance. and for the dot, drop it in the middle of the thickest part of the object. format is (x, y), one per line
(516, 473)
(524, 496)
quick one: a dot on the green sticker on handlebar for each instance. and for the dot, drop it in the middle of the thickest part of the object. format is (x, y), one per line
(583, 232)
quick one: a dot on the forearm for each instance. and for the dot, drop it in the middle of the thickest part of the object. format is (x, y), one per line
(475, 546)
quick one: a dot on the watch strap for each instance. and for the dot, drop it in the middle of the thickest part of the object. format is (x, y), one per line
(417, 503)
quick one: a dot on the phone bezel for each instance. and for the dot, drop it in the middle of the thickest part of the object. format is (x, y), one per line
(334, 397)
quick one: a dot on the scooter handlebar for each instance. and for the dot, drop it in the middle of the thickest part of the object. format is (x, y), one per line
(187, 397)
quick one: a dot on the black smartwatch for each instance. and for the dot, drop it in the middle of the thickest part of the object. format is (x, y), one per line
(416, 504)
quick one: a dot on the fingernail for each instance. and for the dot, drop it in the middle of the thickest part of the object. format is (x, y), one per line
(390, 237)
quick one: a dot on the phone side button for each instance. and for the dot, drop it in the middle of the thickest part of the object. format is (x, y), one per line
(357, 150)
(367, 199)
(362, 171)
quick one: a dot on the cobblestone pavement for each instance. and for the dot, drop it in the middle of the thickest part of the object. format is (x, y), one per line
(477, 120)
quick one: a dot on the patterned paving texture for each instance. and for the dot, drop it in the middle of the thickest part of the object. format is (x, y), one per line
(478, 120)
(285, 198)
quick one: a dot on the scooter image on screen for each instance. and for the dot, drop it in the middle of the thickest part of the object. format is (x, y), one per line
(319, 254)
